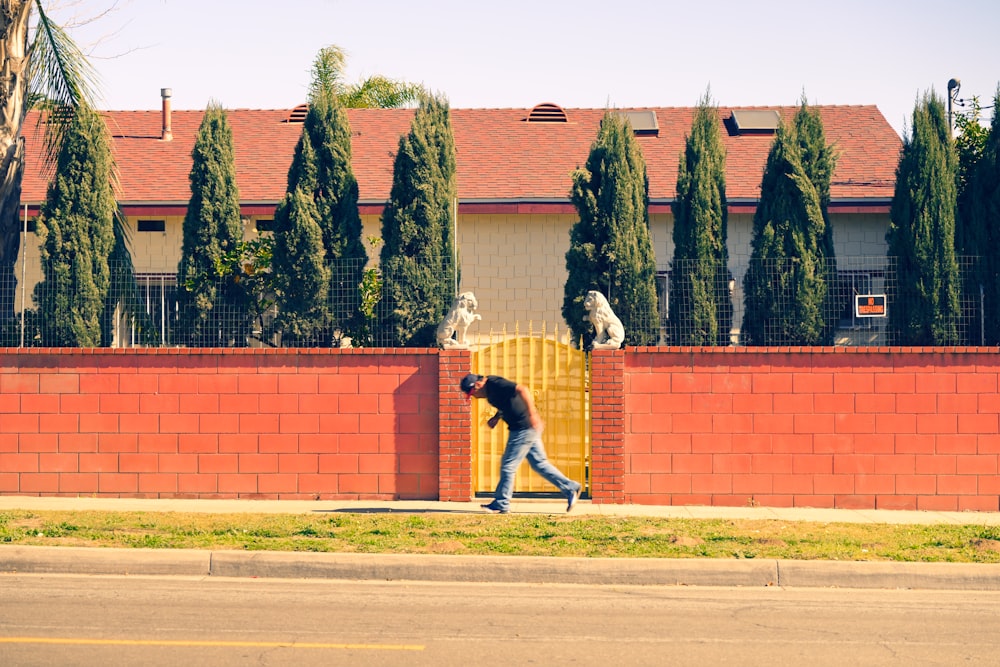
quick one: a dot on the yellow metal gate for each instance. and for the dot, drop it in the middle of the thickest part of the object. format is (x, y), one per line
(556, 374)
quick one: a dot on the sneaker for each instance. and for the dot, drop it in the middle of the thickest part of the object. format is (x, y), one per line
(575, 496)
(493, 508)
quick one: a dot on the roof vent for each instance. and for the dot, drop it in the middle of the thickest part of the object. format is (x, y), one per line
(298, 114)
(642, 122)
(754, 121)
(547, 113)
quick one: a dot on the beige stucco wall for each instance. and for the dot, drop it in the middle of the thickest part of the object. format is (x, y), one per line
(157, 252)
(152, 252)
(516, 266)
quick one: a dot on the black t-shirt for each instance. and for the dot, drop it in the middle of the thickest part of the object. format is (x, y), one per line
(502, 394)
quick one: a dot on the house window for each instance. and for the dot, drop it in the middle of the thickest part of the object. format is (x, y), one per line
(265, 226)
(158, 292)
(152, 225)
(663, 295)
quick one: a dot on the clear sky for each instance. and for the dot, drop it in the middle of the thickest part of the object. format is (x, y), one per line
(519, 53)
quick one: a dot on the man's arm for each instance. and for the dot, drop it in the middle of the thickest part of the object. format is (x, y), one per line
(529, 403)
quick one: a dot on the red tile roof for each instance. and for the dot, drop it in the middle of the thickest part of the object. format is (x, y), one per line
(500, 157)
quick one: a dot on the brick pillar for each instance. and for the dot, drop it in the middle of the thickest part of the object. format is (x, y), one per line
(607, 446)
(455, 428)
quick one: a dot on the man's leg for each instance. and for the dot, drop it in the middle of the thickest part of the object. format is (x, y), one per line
(513, 453)
(541, 464)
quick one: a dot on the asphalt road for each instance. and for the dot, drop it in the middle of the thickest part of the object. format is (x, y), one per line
(220, 621)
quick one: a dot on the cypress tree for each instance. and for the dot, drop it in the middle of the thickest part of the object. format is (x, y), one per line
(701, 308)
(75, 228)
(321, 168)
(785, 286)
(336, 197)
(417, 257)
(972, 236)
(301, 274)
(985, 216)
(611, 250)
(924, 306)
(819, 160)
(211, 304)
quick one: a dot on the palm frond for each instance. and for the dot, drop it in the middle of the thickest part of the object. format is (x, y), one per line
(328, 72)
(59, 77)
(379, 92)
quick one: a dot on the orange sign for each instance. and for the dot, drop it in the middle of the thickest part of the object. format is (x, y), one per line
(869, 305)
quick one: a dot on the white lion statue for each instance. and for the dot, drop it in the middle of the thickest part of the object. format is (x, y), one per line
(451, 331)
(609, 333)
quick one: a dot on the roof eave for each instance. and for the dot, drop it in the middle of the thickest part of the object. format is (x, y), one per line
(547, 205)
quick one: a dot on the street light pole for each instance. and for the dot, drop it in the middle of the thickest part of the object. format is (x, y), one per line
(953, 87)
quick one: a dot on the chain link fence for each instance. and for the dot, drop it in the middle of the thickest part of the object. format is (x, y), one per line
(244, 311)
(860, 295)
(237, 310)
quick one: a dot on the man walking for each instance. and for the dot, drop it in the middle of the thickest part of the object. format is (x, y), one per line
(516, 407)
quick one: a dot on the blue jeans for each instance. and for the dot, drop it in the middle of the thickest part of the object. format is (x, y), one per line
(521, 444)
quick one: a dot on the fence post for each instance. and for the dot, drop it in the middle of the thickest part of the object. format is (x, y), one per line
(454, 427)
(607, 447)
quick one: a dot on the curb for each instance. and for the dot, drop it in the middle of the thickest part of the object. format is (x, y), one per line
(498, 569)
(502, 569)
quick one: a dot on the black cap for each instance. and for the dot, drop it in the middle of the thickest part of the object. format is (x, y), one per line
(469, 381)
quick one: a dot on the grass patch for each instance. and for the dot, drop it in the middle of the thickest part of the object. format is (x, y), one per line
(533, 535)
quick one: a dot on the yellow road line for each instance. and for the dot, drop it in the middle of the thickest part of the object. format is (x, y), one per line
(84, 641)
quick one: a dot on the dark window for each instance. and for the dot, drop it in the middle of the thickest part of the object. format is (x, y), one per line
(158, 293)
(265, 225)
(663, 295)
(152, 225)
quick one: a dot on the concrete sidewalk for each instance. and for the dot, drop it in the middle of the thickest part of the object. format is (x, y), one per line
(518, 506)
(514, 569)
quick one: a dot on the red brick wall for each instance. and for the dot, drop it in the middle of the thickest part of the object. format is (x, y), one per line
(607, 441)
(302, 424)
(855, 428)
(455, 458)
(895, 428)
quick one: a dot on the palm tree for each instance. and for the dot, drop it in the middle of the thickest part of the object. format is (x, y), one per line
(46, 70)
(376, 92)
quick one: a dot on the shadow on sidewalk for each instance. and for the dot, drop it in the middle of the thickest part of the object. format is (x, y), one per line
(391, 510)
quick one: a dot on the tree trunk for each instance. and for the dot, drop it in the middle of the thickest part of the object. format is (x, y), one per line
(14, 16)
